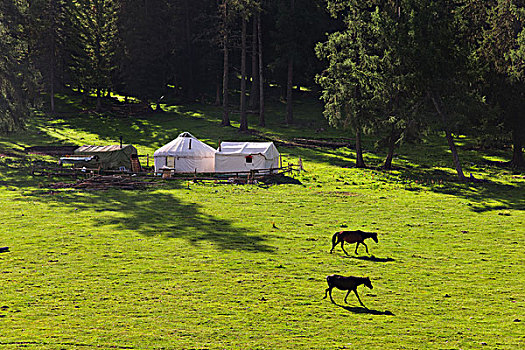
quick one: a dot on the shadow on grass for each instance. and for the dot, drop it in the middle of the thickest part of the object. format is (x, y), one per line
(159, 214)
(371, 258)
(364, 310)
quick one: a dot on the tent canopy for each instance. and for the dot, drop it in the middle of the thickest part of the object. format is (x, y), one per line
(246, 156)
(185, 154)
(108, 157)
(266, 149)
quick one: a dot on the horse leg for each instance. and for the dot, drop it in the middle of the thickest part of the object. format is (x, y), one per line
(330, 293)
(343, 247)
(356, 246)
(326, 291)
(366, 247)
(347, 295)
(358, 298)
(333, 246)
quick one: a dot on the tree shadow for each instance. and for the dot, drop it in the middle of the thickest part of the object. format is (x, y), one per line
(415, 173)
(372, 258)
(158, 214)
(364, 310)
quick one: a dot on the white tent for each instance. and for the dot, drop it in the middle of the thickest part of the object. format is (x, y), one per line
(185, 154)
(246, 156)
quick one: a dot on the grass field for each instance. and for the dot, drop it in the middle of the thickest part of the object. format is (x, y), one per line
(185, 265)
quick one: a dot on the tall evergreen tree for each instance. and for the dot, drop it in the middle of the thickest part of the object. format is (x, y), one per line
(352, 78)
(441, 59)
(18, 79)
(226, 19)
(145, 29)
(92, 58)
(501, 51)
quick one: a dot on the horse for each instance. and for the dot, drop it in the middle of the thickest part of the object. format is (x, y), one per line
(352, 237)
(349, 283)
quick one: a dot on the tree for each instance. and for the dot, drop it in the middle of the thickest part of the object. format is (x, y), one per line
(18, 78)
(92, 59)
(399, 99)
(502, 53)
(441, 58)
(225, 29)
(43, 33)
(254, 88)
(246, 9)
(145, 30)
(262, 121)
(244, 118)
(350, 81)
(289, 80)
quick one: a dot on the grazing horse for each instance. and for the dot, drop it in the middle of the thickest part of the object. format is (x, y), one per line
(349, 283)
(352, 237)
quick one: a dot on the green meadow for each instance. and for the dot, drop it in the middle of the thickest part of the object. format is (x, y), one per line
(212, 265)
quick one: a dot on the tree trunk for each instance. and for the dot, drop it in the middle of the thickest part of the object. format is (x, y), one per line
(359, 162)
(394, 135)
(225, 73)
(244, 119)
(450, 138)
(99, 101)
(52, 86)
(254, 75)
(289, 90)
(262, 121)
(218, 92)
(289, 84)
(189, 51)
(52, 58)
(517, 149)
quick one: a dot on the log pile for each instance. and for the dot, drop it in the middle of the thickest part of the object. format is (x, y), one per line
(101, 182)
(51, 150)
(321, 143)
(306, 143)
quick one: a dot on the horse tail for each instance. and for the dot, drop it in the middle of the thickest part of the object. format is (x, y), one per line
(334, 238)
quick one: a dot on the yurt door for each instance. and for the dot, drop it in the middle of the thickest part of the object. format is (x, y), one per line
(170, 162)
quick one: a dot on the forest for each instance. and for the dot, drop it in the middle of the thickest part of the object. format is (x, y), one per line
(389, 69)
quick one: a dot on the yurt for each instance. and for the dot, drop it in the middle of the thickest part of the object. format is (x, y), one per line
(185, 154)
(246, 156)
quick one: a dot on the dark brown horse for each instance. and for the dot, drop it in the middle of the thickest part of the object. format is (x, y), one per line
(349, 283)
(352, 237)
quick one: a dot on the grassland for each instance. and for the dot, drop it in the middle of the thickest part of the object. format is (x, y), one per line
(187, 265)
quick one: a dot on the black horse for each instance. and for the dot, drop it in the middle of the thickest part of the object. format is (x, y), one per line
(349, 283)
(352, 237)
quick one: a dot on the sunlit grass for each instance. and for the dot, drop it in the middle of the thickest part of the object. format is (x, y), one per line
(209, 265)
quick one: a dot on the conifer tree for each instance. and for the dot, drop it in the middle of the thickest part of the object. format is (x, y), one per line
(93, 51)
(499, 30)
(18, 79)
(352, 78)
(145, 30)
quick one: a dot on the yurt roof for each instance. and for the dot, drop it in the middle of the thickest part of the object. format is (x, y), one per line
(185, 145)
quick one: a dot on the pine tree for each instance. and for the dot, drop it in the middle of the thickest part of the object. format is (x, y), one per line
(18, 79)
(92, 47)
(352, 78)
(145, 30)
(501, 33)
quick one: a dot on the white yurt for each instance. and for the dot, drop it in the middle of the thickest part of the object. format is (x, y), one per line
(246, 156)
(185, 154)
